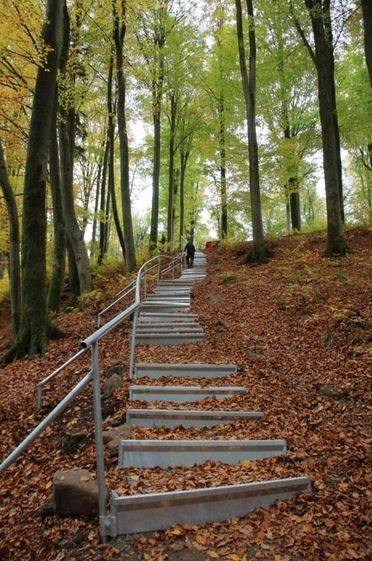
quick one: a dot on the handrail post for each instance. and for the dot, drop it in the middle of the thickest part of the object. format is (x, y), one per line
(133, 343)
(159, 268)
(100, 459)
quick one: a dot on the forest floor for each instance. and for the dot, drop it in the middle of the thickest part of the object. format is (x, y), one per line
(299, 329)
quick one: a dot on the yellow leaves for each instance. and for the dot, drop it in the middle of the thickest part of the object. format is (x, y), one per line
(176, 532)
(213, 554)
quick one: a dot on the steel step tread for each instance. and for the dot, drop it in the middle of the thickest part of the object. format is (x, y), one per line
(182, 394)
(173, 453)
(188, 417)
(144, 513)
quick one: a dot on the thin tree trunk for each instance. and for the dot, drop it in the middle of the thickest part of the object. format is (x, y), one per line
(259, 251)
(35, 327)
(96, 203)
(103, 203)
(119, 36)
(294, 203)
(171, 153)
(156, 97)
(222, 150)
(59, 249)
(14, 244)
(111, 175)
(184, 159)
(321, 24)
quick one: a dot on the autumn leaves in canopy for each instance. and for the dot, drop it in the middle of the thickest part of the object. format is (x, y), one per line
(77, 78)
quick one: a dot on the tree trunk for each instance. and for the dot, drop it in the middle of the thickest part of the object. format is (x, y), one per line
(294, 203)
(14, 244)
(59, 249)
(103, 204)
(35, 327)
(222, 150)
(171, 152)
(259, 251)
(320, 19)
(156, 98)
(119, 35)
(111, 175)
(67, 146)
(96, 203)
(367, 19)
(184, 159)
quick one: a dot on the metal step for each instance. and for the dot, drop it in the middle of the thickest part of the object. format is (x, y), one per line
(176, 327)
(176, 317)
(169, 338)
(158, 511)
(188, 418)
(183, 394)
(166, 298)
(172, 291)
(176, 282)
(163, 307)
(172, 453)
(184, 370)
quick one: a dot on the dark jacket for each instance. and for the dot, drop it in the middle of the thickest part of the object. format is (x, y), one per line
(190, 248)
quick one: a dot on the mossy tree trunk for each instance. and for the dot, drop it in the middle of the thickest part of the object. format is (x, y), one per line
(14, 244)
(35, 327)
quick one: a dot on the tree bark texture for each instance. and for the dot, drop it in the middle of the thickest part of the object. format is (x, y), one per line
(367, 19)
(111, 175)
(222, 151)
(184, 156)
(119, 36)
(103, 219)
(320, 19)
(67, 129)
(34, 326)
(59, 241)
(259, 252)
(14, 244)
(171, 154)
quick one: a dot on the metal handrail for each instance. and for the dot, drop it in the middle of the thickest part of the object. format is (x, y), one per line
(39, 387)
(91, 343)
(78, 388)
(118, 297)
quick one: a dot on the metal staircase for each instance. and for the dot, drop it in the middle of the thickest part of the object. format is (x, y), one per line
(163, 320)
(163, 317)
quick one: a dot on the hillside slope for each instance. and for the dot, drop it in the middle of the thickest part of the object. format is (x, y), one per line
(299, 329)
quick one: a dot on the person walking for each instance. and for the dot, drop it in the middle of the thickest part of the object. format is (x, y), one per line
(190, 252)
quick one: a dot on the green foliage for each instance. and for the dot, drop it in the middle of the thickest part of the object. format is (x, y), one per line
(91, 299)
(228, 277)
(4, 286)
